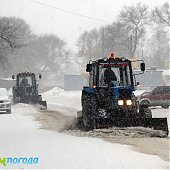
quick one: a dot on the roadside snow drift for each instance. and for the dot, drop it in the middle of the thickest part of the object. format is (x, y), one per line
(66, 102)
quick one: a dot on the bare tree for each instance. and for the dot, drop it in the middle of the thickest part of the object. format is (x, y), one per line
(14, 33)
(115, 40)
(161, 15)
(42, 54)
(134, 19)
(157, 48)
(89, 44)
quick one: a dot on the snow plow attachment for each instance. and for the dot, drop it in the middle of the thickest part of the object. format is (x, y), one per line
(154, 123)
(43, 105)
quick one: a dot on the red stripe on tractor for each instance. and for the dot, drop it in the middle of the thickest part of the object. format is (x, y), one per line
(115, 65)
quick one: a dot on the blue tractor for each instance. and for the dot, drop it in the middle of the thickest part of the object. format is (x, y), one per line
(26, 90)
(109, 99)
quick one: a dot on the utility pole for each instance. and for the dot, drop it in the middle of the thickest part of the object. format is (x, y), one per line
(131, 46)
(103, 43)
(142, 54)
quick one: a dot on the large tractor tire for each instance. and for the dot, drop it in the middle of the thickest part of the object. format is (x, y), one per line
(88, 111)
(145, 112)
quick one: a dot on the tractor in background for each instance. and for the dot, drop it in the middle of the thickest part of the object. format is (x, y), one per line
(26, 90)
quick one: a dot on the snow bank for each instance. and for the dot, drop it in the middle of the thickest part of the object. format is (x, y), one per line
(54, 91)
(58, 91)
(67, 102)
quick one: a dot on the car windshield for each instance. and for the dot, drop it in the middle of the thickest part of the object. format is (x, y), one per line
(3, 92)
(121, 73)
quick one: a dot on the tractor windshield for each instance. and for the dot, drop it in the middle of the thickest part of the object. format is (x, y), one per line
(26, 81)
(118, 74)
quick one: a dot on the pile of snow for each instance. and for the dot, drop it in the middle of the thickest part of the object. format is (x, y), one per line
(67, 102)
(58, 91)
(138, 132)
(54, 91)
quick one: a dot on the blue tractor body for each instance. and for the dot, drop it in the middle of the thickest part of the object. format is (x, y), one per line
(112, 101)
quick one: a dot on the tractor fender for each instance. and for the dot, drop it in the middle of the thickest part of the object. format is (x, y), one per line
(88, 90)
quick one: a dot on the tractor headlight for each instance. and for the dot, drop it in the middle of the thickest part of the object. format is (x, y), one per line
(129, 102)
(120, 102)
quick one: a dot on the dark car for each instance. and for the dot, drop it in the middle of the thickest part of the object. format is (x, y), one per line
(156, 96)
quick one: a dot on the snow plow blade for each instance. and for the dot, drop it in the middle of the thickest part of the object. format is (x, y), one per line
(154, 123)
(43, 105)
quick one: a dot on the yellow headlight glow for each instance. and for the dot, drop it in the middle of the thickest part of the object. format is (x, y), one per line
(94, 86)
(120, 102)
(129, 102)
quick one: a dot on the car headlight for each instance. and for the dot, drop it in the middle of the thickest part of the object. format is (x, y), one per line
(120, 102)
(6, 101)
(129, 102)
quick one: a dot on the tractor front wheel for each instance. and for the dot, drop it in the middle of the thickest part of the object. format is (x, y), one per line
(145, 112)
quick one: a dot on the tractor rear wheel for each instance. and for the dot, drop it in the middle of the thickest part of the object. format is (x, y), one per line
(88, 110)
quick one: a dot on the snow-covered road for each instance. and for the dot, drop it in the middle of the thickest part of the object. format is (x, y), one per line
(20, 136)
(23, 137)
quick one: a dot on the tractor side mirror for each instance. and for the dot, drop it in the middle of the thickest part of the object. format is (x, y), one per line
(40, 76)
(89, 67)
(13, 76)
(142, 67)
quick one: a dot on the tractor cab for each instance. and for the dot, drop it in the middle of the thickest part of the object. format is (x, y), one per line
(26, 89)
(25, 80)
(113, 73)
(109, 98)
(110, 73)
(26, 83)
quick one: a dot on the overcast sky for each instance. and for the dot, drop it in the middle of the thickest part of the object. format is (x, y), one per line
(67, 26)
